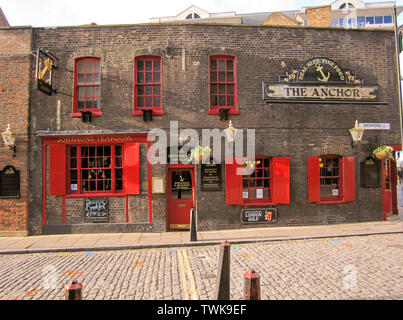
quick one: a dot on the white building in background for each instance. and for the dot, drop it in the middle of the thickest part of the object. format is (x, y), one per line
(342, 13)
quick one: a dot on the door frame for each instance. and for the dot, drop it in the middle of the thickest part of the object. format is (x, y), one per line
(169, 168)
(392, 194)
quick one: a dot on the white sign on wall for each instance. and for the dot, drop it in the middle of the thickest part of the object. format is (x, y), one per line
(375, 126)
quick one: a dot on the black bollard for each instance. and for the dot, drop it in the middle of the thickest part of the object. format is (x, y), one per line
(193, 231)
(74, 290)
(252, 285)
(222, 291)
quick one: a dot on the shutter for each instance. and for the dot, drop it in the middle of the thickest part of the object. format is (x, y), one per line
(313, 179)
(233, 182)
(131, 168)
(281, 180)
(58, 172)
(348, 179)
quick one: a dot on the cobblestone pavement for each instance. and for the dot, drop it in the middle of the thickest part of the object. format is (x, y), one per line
(364, 267)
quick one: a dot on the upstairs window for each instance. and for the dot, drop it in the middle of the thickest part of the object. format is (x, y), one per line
(222, 84)
(147, 85)
(87, 86)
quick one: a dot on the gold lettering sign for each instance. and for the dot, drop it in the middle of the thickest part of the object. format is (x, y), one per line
(80, 139)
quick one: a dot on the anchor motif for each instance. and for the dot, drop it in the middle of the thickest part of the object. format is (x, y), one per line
(320, 69)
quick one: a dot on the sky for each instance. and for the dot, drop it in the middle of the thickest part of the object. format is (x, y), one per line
(45, 13)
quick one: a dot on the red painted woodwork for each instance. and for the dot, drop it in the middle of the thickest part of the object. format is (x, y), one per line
(233, 181)
(178, 209)
(348, 179)
(57, 169)
(313, 179)
(281, 180)
(131, 168)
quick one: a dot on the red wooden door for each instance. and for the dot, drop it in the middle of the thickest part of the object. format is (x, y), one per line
(389, 181)
(180, 197)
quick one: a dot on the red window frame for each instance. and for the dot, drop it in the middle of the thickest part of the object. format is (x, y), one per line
(147, 89)
(259, 179)
(345, 179)
(87, 91)
(222, 84)
(95, 170)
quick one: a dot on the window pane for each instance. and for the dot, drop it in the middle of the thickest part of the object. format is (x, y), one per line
(149, 101)
(213, 76)
(149, 90)
(88, 91)
(213, 88)
(149, 65)
(378, 19)
(221, 64)
(81, 92)
(140, 90)
(80, 79)
(230, 77)
(119, 185)
(97, 78)
(73, 152)
(230, 65)
(118, 150)
(230, 101)
(157, 102)
(89, 67)
(156, 77)
(80, 67)
(157, 65)
(369, 20)
(140, 77)
(81, 104)
(89, 79)
(361, 22)
(221, 76)
(222, 101)
(97, 91)
(73, 163)
(149, 77)
(157, 90)
(221, 88)
(97, 104)
(140, 65)
(88, 104)
(230, 89)
(387, 19)
(213, 64)
(213, 100)
(140, 101)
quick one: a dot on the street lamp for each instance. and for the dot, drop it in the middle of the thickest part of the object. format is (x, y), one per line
(356, 134)
(230, 132)
(9, 139)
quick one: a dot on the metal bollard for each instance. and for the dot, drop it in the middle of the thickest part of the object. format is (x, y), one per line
(193, 231)
(74, 290)
(222, 291)
(252, 285)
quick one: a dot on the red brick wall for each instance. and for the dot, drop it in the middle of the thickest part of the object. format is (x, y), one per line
(319, 16)
(15, 66)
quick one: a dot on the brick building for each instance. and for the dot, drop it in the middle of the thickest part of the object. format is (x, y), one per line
(301, 90)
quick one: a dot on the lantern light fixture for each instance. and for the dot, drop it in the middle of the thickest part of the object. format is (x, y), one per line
(9, 139)
(230, 132)
(356, 133)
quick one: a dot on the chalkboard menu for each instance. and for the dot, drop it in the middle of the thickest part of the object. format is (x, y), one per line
(369, 173)
(9, 182)
(266, 215)
(96, 210)
(211, 177)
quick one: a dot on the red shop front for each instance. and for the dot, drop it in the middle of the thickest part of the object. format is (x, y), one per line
(91, 180)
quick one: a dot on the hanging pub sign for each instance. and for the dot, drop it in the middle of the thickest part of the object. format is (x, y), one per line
(9, 182)
(320, 80)
(96, 210)
(265, 215)
(369, 173)
(45, 63)
(211, 176)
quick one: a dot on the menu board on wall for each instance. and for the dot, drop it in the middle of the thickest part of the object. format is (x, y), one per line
(211, 177)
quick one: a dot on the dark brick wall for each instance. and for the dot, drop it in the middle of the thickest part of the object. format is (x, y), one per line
(288, 130)
(15, 66)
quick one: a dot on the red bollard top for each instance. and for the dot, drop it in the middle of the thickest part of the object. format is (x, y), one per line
(74, 285)
(225, 243)
(252, 274)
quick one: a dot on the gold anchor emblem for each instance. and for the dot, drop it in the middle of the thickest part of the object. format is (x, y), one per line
(320, 69)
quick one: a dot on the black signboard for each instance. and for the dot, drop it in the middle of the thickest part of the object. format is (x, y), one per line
(96, 210)
(369, 173)
(181, 180)
(9, 182)
(44, 87)
(265, 215)
(181, 155)
(211, 177)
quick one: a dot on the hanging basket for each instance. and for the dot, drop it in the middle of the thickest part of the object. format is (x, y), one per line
(381, 155)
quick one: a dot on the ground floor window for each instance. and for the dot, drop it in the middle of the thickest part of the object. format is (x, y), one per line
(256, 186)
(331, 178)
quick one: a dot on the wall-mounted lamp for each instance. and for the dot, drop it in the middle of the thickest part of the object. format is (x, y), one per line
(230, 132)
(9, 139)
(356, 133)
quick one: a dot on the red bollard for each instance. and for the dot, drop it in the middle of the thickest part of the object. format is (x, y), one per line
(74, 290)
(252, 285)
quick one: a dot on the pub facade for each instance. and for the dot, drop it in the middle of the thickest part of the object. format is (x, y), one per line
(291, 92)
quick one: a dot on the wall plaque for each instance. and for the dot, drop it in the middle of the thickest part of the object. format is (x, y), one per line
(320, 80)
(211, 177)
(265, 215)
(96, 210)
(9, 182)
(369, 174)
